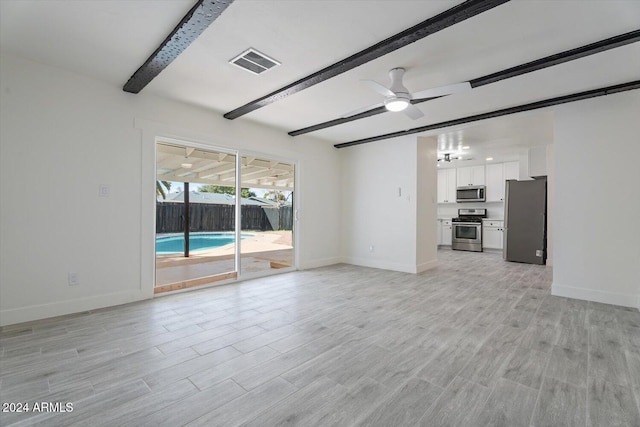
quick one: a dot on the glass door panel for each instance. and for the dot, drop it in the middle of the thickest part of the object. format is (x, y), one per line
(195, 216)
(267, 215)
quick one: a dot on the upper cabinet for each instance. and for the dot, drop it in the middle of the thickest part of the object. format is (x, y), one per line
(493, 177)
(538, 161)
(446, 186)
(511, 170)
(471, 175)
(497, 174)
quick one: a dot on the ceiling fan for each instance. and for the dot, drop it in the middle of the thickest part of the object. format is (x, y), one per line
(398, 97)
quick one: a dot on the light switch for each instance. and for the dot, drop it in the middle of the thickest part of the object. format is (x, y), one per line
(104, 190)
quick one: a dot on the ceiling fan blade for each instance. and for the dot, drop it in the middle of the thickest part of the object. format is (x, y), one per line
(361, 110)
(442, 90)
(377, 87)
(413, 112)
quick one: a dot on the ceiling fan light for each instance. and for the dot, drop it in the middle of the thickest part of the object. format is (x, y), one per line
(396, 104)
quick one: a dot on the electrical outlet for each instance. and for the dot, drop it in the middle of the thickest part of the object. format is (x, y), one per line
(372, 248)
(73, 278)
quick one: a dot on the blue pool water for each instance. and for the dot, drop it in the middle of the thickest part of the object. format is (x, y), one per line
(197, 242)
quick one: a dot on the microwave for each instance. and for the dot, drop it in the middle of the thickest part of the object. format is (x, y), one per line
(472, 193)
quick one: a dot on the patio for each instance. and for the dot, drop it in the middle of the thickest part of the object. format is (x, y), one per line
(260, 252)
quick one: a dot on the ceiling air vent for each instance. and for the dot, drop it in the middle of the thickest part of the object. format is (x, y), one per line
(254, 61)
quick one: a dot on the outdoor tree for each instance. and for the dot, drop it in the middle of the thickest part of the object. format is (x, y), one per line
(278, 196)
(210, 188)
(162, 188)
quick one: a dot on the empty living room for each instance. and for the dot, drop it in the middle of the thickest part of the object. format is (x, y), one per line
(319, 213)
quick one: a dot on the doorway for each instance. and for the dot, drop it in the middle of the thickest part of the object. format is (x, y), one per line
(208, 228)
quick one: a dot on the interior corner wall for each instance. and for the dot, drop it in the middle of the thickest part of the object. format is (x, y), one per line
(379, 204)
(62, 136)
(596, 201)
(427, 203)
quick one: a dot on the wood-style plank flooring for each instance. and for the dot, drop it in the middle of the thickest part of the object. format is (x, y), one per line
(476, 342)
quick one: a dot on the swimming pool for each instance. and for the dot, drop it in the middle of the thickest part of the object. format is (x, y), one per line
(197, 242)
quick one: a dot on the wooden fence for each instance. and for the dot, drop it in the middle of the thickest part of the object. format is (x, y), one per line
(212, 217)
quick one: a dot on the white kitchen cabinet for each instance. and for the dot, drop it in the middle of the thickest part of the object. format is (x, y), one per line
(495, 182)
(497, 174)
(538, 161)
(511, 170)
(447, 186)
(446, 232)
(492, 233)
(471, 175)
(439, 231)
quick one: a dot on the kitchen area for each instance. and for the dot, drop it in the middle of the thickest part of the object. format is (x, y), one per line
(498, 206)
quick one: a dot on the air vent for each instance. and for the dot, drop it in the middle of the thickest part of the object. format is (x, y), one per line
(253, 61)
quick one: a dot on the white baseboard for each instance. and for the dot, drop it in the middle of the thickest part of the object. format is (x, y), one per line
(373, 263)
(320, 262)
(594, 295)
(61, 308)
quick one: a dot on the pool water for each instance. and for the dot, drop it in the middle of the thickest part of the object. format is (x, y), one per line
(197, 242)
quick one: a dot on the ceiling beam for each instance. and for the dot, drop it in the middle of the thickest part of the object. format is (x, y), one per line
(225, 167)
(200, 181)
(201, 15)
(364, 114)
(459, 13)
(633, 85)
(518, 70)
(559, 58)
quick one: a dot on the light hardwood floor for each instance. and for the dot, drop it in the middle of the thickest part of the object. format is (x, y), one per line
(476, 342)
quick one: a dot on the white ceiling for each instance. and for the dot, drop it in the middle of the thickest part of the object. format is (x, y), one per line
(109, 40)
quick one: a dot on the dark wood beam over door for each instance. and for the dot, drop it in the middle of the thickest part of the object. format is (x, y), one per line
(459, 13)
(609, 90)
(190, 27)
(538, 64)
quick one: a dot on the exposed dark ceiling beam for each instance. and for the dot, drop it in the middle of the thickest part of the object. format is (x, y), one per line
(538, 64)
(459, 13)
(335, 122)
(190, 27)
(506, 111)
(559, 58)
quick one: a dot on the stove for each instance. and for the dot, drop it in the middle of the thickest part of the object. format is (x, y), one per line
(466, 230)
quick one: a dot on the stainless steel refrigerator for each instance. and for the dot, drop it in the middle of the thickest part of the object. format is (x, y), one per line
(525, 221)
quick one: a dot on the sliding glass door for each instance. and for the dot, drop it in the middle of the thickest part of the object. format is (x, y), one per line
(198, 237)
(267, 215)
(195, 216)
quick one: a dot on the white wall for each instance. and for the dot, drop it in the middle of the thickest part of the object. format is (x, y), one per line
(63, 135)
(376, 214)
(426, 203)
(596, 200)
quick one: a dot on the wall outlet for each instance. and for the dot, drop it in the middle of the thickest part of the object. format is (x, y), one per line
(73, 278)
(372, 248)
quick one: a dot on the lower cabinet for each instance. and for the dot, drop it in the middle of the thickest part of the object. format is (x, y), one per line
(492, 233)
(446, 232)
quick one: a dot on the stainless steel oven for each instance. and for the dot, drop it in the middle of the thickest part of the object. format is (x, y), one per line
(466, 230)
